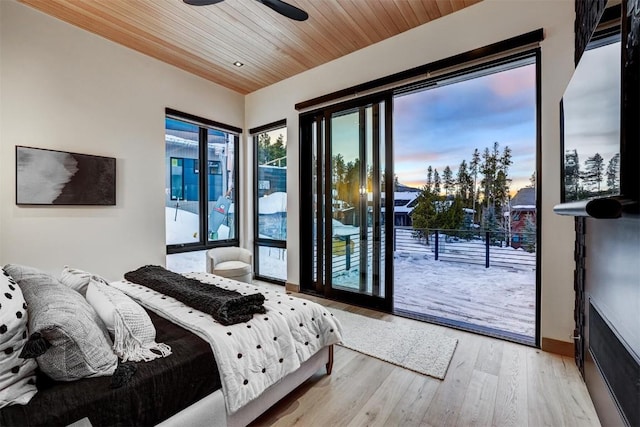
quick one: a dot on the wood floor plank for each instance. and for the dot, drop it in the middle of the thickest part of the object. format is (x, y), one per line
(489, 383)
(543, 398)
(410, 410)
(489, 357)
(384, 400)
(511, 397)
(446, 405)
(479, 400)
(575, 409)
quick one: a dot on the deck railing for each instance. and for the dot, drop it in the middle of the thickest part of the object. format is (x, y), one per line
(491, 249)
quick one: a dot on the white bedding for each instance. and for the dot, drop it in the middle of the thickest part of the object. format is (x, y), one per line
(251, 356)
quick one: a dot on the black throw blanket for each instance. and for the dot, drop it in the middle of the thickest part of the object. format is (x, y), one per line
(227, 307)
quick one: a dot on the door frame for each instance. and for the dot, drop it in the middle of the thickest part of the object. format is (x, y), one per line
(308, 230)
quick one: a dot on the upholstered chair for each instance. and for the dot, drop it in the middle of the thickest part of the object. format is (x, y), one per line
(231, 262)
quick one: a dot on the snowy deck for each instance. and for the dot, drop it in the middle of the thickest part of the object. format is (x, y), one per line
(461, 290)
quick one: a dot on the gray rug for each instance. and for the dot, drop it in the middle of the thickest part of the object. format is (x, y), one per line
(422, 348)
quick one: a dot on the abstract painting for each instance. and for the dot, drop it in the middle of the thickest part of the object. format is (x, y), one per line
(50, 177)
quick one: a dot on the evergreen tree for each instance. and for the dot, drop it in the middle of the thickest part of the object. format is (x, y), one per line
(529, 237)
(352, 183)
(269, 152)
(339, 174)
(490, 224)
(436, 182)
(532, 180)
(613, 169)
(572, 175)
(465, 184)
(594, 171)
(474, 168)
(488, 171)
(448, 182)
(429, 178)
(423, 214)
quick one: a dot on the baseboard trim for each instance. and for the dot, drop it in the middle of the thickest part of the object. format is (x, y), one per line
(292, 287)
(563, 348)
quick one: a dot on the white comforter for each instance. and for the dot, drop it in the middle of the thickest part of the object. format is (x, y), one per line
(254, 355)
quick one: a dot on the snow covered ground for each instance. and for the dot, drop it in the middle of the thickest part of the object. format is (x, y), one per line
(495, 297)
(500, 298)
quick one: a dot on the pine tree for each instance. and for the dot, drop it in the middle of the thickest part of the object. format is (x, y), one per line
(529, 236)
(429, 178)
(594, 171)
(423, 214)
(269, 152)
(436, 182)
(490, 224)
(474, 166)
(488, 171)
(613, 169)
(448, 182)
(465, 184)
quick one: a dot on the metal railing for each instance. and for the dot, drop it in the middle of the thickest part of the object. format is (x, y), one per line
(491, 249)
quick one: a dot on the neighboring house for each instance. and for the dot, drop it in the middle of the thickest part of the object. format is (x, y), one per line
(522, 213)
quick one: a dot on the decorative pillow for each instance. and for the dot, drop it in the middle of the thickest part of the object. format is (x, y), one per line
(17, 376)
(75, 279)
(67, 338)
(134, 334)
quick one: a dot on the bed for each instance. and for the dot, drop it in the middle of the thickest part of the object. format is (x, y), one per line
(217, 375)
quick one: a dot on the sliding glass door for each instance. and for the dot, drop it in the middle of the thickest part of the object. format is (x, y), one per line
(346, 202)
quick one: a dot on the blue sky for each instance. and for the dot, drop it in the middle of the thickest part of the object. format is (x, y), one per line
(443, 125)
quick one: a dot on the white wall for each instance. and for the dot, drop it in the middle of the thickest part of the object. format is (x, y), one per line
(67, 89)
(484, 23)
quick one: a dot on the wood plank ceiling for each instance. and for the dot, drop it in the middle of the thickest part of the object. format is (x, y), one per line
(207, 40)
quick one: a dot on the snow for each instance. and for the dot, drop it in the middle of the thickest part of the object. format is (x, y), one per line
(181, 226)
(273, 203)
(502, 298)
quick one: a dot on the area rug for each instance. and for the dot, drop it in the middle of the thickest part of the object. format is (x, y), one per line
(421, 348)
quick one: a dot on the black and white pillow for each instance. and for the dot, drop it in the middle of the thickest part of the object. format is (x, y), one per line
(68, 339)
(17, 375)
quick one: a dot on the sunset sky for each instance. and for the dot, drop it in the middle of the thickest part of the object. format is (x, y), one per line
(443, 125)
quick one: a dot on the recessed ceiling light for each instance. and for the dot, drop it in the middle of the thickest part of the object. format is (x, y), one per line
(238, 64)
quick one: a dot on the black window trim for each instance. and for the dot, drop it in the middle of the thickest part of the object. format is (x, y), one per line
(204, 125)
(257, 240)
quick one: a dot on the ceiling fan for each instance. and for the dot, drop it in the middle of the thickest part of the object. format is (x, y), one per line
(279, 6)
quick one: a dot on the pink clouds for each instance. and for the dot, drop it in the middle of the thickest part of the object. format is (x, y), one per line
(516, 81)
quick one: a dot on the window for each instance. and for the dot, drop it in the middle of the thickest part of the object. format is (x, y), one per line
(200, 208)
(270, 189)
(358, 245)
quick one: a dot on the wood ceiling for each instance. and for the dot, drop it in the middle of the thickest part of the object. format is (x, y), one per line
(207, 40)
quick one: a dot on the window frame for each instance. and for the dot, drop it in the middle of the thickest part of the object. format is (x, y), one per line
(204, 125)
(259, 242)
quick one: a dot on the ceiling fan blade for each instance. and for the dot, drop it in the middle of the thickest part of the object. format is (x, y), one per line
(286, 9)
(201, 2)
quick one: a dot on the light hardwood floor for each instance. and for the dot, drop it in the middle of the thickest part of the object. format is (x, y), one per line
(489, 383)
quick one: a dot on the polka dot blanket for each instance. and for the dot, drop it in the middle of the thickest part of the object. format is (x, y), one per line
(254, 355)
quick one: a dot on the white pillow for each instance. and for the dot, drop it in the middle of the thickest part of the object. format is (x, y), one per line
(17, 375)
(75, 279)
(133, 333)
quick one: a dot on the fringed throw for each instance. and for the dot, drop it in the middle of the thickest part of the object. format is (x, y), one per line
(133, 332)
(227, 307)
